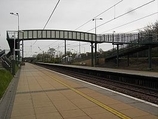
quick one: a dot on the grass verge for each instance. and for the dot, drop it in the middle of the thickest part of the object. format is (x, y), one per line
(5, 78)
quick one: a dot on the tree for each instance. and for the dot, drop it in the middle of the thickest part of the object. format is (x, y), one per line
(153, 28)
(68, 53)
(101, 51)
(39, 57)
(60, 54)
(51, 52)
(156, 27)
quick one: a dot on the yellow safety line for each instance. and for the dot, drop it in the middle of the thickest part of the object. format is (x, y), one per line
(113, 111)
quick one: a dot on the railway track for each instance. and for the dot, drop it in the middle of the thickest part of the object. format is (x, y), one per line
(144, 93)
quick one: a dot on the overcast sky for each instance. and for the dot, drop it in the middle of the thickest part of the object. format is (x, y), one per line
(69, 15)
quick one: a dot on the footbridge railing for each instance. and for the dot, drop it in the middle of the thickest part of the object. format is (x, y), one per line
(52, 34)
(120, 38)
(128, 38)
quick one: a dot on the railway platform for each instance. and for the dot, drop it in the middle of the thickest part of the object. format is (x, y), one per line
(45, 94)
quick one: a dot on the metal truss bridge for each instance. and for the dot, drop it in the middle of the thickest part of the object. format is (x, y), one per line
(116, 39)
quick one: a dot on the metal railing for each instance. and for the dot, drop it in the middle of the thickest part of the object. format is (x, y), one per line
(2, 53)
(130, 38)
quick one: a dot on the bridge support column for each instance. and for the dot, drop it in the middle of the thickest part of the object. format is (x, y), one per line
(117, 55)
(18, 52)
(43, 57)
(128, 60)
(22, 50)
(95, 62)
(65, 51)
(92, 62)
(150, 57)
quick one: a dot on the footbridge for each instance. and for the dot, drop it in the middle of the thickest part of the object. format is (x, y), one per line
(138, 39)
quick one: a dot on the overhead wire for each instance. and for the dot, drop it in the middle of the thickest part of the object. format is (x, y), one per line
(138, 29)
(119, 16)
(58, 43)
(132, 21)
(78, 45)
(122, 15)
(51, 14)
(135, 30)
(99, 14)
(48, 46)
(49, 18)
(62, 46)
(82, 24)
(104, 12)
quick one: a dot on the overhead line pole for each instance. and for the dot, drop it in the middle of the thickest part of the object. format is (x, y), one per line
(95, 55)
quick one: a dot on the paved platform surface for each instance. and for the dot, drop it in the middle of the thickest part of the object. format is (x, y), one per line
(44, 94)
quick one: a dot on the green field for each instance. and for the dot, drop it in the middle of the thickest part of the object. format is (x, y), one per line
(5, 78)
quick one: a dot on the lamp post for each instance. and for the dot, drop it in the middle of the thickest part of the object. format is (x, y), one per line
(13, 62)
(17, 14)
(95, 19)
